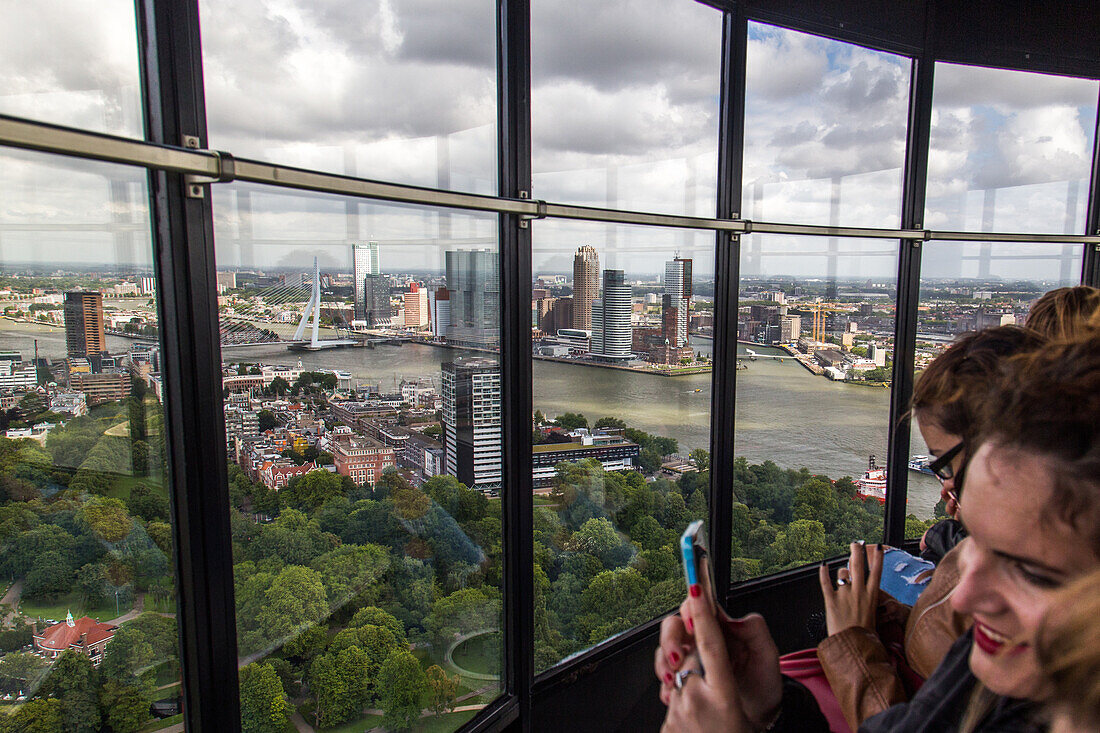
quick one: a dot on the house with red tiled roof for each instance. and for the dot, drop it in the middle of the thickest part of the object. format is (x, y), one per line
(84, 635)
(278, 475)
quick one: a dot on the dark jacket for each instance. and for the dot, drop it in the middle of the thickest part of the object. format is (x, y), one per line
(938, 707)
(941, 538)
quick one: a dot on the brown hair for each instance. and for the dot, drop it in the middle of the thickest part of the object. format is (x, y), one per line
(1068, 650)
(951, 389)
(1063, 313)
(1047, 402)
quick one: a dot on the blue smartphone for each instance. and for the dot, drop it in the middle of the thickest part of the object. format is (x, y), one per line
(693, 551)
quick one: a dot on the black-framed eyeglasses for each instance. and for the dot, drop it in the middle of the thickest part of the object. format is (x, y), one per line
(942, 465)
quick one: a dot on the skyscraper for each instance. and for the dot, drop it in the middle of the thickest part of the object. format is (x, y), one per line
(416, 307)
(439, 308)
(84, 336)
(364, 261)
(474, 285)
(472, 437)
(376, 296)
(611, 331)
(678, 288)
(586, 283)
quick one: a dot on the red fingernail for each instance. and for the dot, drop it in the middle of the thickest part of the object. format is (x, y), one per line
(668, 678)
(674, 658)
(695, 590)
(690, 626)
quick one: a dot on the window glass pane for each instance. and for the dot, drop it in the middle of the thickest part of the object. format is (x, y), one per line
(815, 331)
(1010, 151)
(363, 418)
(824, 130)
(87, 563)
(72, 63)
(621, 377)
(966, 287)
(403, 92)
(625, 104)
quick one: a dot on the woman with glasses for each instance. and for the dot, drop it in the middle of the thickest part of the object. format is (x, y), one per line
(1032, 512)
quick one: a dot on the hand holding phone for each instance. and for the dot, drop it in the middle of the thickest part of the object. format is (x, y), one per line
(697, 570)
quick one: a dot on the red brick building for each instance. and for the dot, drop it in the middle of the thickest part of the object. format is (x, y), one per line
(362, 459)
(84, 635)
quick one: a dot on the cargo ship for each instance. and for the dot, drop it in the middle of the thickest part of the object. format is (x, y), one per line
(920, 463)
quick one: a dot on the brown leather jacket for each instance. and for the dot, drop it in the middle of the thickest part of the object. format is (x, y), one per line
(860, 668)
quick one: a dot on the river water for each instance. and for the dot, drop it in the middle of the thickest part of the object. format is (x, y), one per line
(784, 413)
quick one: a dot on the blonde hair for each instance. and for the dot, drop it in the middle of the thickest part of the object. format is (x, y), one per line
(1063, 313)
(1068, 650)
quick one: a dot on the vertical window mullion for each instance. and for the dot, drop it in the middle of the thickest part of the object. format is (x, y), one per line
(1090, 265)
(514, 181)
(918, 136)
(731, 140)
(185, 268)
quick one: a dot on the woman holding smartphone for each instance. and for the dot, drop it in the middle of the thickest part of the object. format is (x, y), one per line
(1032, 510)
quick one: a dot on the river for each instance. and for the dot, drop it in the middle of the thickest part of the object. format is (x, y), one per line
(784, 413)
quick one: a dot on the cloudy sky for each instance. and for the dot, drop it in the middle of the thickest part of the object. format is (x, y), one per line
(625, 114)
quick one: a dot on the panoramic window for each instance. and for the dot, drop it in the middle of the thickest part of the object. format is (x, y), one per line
(815, 350)
(623, 338)
(1011, 151)
(89, 637)
(824, 130)
(363, 424)
(89, 77)
(967, 287)
(402, 92)
(624, 104)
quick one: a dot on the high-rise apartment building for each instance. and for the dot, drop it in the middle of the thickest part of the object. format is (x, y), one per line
(416, 307)
(439, 308)
(678, 288)
(586, 283)
(84, 336)
(611, 331)
(472, 436)
(364, 262)
(474, 285)
(376, 297)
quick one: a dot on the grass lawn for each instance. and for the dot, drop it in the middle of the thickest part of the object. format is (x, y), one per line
(544, 501)
(166, 692)
(437, 724)
(120, 489)
(166, 605)
(478, 655)
(56, 610)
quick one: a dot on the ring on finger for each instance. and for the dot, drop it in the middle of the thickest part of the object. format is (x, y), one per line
(840, 582)
(683, 674)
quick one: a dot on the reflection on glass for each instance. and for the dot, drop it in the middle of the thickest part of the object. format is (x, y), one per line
(824, 130)
(89, 637)
(623, 324)
(815, 352)
(89, 77)
(1010, 151)
(363, 419)
(402, 92)
(625, 104)
(970, 286)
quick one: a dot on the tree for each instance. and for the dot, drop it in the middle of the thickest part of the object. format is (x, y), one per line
(34, 716)
(701, 459)
(266, 418)
(125, 706)
(312, 490)
(146, 503)
(442, 689)
(279, 386)
(264, 707)
(610, 422)
(91, 581)
(74, 681)
(571, 421)
(108, 518)
(295, 599)
(598, 538)
(402, 683)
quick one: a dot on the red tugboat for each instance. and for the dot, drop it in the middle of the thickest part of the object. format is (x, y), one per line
(872, 485)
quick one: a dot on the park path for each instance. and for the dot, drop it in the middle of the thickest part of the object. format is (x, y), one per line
(12, 599)
(300, 723)
(139, 606)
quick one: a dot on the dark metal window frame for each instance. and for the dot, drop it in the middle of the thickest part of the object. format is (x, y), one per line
(172, 81)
